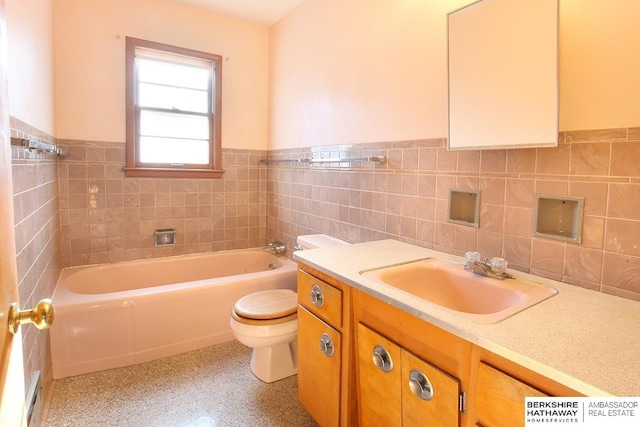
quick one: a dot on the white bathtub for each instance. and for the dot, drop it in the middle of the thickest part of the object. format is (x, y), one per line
(114, 315)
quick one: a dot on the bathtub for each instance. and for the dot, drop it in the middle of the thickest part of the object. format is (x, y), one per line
(114, 315)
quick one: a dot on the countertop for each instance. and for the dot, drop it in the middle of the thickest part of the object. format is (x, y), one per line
(586, 340)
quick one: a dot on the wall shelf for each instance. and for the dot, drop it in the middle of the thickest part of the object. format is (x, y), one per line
(374, 159)
(37, 145)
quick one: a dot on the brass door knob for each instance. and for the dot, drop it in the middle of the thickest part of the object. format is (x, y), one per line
(41, 315)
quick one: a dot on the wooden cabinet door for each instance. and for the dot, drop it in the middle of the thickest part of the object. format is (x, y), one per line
(380, 403)
(386, 398)
(442, 408)
(318, 373)
(500, 398)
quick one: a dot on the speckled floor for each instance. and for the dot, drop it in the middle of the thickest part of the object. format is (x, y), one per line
(208, 387)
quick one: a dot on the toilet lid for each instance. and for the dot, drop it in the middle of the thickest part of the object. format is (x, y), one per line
(267, 304)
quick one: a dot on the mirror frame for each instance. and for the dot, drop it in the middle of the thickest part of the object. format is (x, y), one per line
(526, 115)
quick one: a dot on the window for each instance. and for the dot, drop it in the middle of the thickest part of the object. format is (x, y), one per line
(173, 111)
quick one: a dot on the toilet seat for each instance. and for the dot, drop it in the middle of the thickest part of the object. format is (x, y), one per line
(266, 307)
(256, 322)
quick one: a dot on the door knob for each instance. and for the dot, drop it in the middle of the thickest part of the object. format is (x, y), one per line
(41, 315)
(420, 385)
(326, 345)
(316, 296)
(382, 358)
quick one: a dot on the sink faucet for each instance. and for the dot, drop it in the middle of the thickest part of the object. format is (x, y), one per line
(278, 248)
(496, 268)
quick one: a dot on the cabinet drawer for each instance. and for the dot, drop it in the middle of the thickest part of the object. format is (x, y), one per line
(328, 299)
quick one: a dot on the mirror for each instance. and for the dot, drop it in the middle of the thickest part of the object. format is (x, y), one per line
(503, 74)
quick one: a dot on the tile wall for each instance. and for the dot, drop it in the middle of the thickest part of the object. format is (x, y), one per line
(106, 217)
(37, 231)
(81, 210)
(407, 200)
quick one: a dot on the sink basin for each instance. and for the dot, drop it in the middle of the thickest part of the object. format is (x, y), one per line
(474, 297)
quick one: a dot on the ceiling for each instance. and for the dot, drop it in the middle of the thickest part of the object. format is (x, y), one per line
(265, 12)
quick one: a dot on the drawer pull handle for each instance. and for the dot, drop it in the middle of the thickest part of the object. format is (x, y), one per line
(326, 345)
(382, 359)
(420, 385)
(316, 296)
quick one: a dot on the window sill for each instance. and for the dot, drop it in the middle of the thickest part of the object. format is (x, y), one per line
(172, 173)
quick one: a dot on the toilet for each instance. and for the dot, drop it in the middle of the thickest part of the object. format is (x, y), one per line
(267, 321)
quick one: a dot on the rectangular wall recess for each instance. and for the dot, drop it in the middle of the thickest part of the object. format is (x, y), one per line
(464, 207)
(165, 237)
(558, 217)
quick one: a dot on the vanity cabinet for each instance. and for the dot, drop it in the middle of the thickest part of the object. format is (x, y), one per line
(472, 386)
(396, 388)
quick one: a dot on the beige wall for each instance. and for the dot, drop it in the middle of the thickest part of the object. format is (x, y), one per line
(90, 80)
(360, 71)
(30, 47)
(599, 85)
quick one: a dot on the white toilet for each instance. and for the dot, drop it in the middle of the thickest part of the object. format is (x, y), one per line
(268, 322)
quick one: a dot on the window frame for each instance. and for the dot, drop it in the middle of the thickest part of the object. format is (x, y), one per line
(133, 167)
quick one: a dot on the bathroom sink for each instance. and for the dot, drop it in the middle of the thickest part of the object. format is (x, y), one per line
(474, 297)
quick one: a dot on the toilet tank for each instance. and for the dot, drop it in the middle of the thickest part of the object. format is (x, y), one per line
(311, 241)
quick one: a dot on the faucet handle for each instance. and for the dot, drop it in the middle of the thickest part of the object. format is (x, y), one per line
(277, 247)
(498, 265)
(471, 258)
